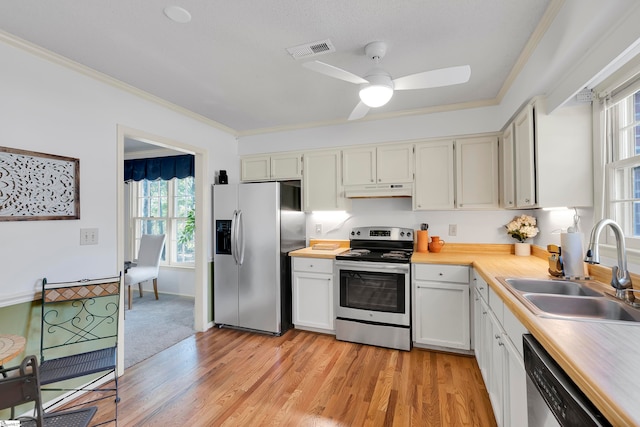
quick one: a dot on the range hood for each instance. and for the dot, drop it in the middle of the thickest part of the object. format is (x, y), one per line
(378, 190)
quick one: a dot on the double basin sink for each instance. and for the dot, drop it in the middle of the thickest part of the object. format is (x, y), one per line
(570, 300)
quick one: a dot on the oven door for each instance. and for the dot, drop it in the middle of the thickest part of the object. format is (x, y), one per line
(373, 291)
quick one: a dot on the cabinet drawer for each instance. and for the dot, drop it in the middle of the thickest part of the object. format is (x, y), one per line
(316, 265)
(441, 273)
(497, 305)
(481, 286)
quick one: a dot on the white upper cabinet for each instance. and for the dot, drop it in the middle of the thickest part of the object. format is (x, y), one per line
(525, 180)
(384, 164)
(507, 169)
(274, 167)
(359, 166)
(394, 163)
(321, 182)
(434, 186)
(477, 184)
(553, 156)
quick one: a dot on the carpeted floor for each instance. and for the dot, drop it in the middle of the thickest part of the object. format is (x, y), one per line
(151, 326)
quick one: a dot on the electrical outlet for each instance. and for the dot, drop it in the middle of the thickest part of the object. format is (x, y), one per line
(88, 236)
(319, 228)
(453, 229)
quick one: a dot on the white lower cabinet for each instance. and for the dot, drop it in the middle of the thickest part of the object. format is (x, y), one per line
(313, 294)
(498, 349)
(441, 306)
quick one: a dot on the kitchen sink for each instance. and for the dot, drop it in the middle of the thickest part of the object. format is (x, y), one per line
(572, 300)
(584, 307)
(550, 286)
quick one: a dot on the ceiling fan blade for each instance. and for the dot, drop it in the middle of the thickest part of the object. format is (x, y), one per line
(359, 112)
(335, 72)
(434, 78)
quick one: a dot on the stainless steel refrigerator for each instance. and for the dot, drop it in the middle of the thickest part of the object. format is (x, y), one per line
(256, 225)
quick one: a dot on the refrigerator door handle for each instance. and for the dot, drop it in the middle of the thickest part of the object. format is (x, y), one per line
(240, 238)
(234, 237)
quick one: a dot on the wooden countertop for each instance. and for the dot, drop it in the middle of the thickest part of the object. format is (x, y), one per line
(600, 357)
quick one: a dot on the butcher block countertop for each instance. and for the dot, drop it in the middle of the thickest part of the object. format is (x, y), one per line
(602, 358)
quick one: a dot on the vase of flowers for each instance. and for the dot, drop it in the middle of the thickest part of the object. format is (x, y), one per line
(522, 228)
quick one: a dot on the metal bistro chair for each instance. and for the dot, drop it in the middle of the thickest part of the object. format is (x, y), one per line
(21, 384)
(79, 338)
(147, 264)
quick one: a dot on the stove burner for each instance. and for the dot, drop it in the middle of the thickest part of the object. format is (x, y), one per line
(360, 251)
(395, 254)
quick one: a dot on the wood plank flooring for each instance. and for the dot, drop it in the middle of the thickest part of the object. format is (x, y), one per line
(224, 377)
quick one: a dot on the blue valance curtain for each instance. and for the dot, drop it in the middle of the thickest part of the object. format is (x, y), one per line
(159, 168)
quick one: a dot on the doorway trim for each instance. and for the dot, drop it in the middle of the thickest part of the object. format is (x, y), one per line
(203, 211)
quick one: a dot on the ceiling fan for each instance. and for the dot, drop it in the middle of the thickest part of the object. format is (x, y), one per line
(376, 88)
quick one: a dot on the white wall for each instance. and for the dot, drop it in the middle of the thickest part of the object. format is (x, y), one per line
(46, 107)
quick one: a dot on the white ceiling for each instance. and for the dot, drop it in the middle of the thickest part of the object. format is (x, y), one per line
(230, 63)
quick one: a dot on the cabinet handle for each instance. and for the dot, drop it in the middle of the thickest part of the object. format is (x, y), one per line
(497, 336)
(440, 274)
(484, 312)
(371, 179)
(500, 342)
(379, 179)
(481, 287)
(526, 200)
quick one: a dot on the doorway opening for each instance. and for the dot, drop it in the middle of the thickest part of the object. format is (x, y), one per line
(181, 309)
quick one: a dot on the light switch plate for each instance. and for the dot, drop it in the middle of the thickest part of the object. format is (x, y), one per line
(88, 236)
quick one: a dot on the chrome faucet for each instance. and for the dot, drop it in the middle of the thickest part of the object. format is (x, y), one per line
(620, 278)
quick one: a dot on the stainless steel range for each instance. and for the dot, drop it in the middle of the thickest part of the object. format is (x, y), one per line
(373, 288)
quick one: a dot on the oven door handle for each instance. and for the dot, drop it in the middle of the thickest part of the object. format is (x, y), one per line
(372, 266)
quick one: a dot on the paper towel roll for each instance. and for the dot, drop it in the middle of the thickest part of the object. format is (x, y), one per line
(572, 254)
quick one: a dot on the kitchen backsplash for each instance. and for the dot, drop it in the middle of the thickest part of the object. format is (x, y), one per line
(471, 226)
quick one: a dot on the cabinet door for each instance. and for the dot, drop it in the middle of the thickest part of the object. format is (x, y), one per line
(515, 382)
(395, 163)
(477, 173)
(434, 185)
(256, 168)
(525, 158)
(496, 370)
(286, 166)
(507, 168)
(442, 315)
(477, 328)
(321, 184)
(313, 300)
(359, 166)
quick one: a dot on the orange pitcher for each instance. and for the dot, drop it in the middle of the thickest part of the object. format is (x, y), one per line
(436, 244)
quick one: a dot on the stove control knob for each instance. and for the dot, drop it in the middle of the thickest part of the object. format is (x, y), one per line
(408, 234)
(358, 233)
(402, 234)
(353, 233)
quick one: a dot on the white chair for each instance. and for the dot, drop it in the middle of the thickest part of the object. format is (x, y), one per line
(147, 264)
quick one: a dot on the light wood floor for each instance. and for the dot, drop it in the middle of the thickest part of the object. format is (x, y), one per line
(224, 377)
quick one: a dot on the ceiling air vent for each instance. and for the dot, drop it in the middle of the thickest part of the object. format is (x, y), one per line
(311, 49)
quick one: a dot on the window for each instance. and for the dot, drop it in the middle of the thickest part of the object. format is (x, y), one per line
(165, 207)
(623, 163)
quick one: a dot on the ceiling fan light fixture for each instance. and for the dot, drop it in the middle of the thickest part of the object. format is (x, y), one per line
(377, 92)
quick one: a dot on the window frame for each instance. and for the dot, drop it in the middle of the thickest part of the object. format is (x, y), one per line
(609, 163)
(171, 222)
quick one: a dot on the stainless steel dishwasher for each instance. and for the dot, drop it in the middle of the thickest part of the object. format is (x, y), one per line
(553, 399)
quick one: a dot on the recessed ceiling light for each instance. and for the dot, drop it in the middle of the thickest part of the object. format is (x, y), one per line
(177, 14)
